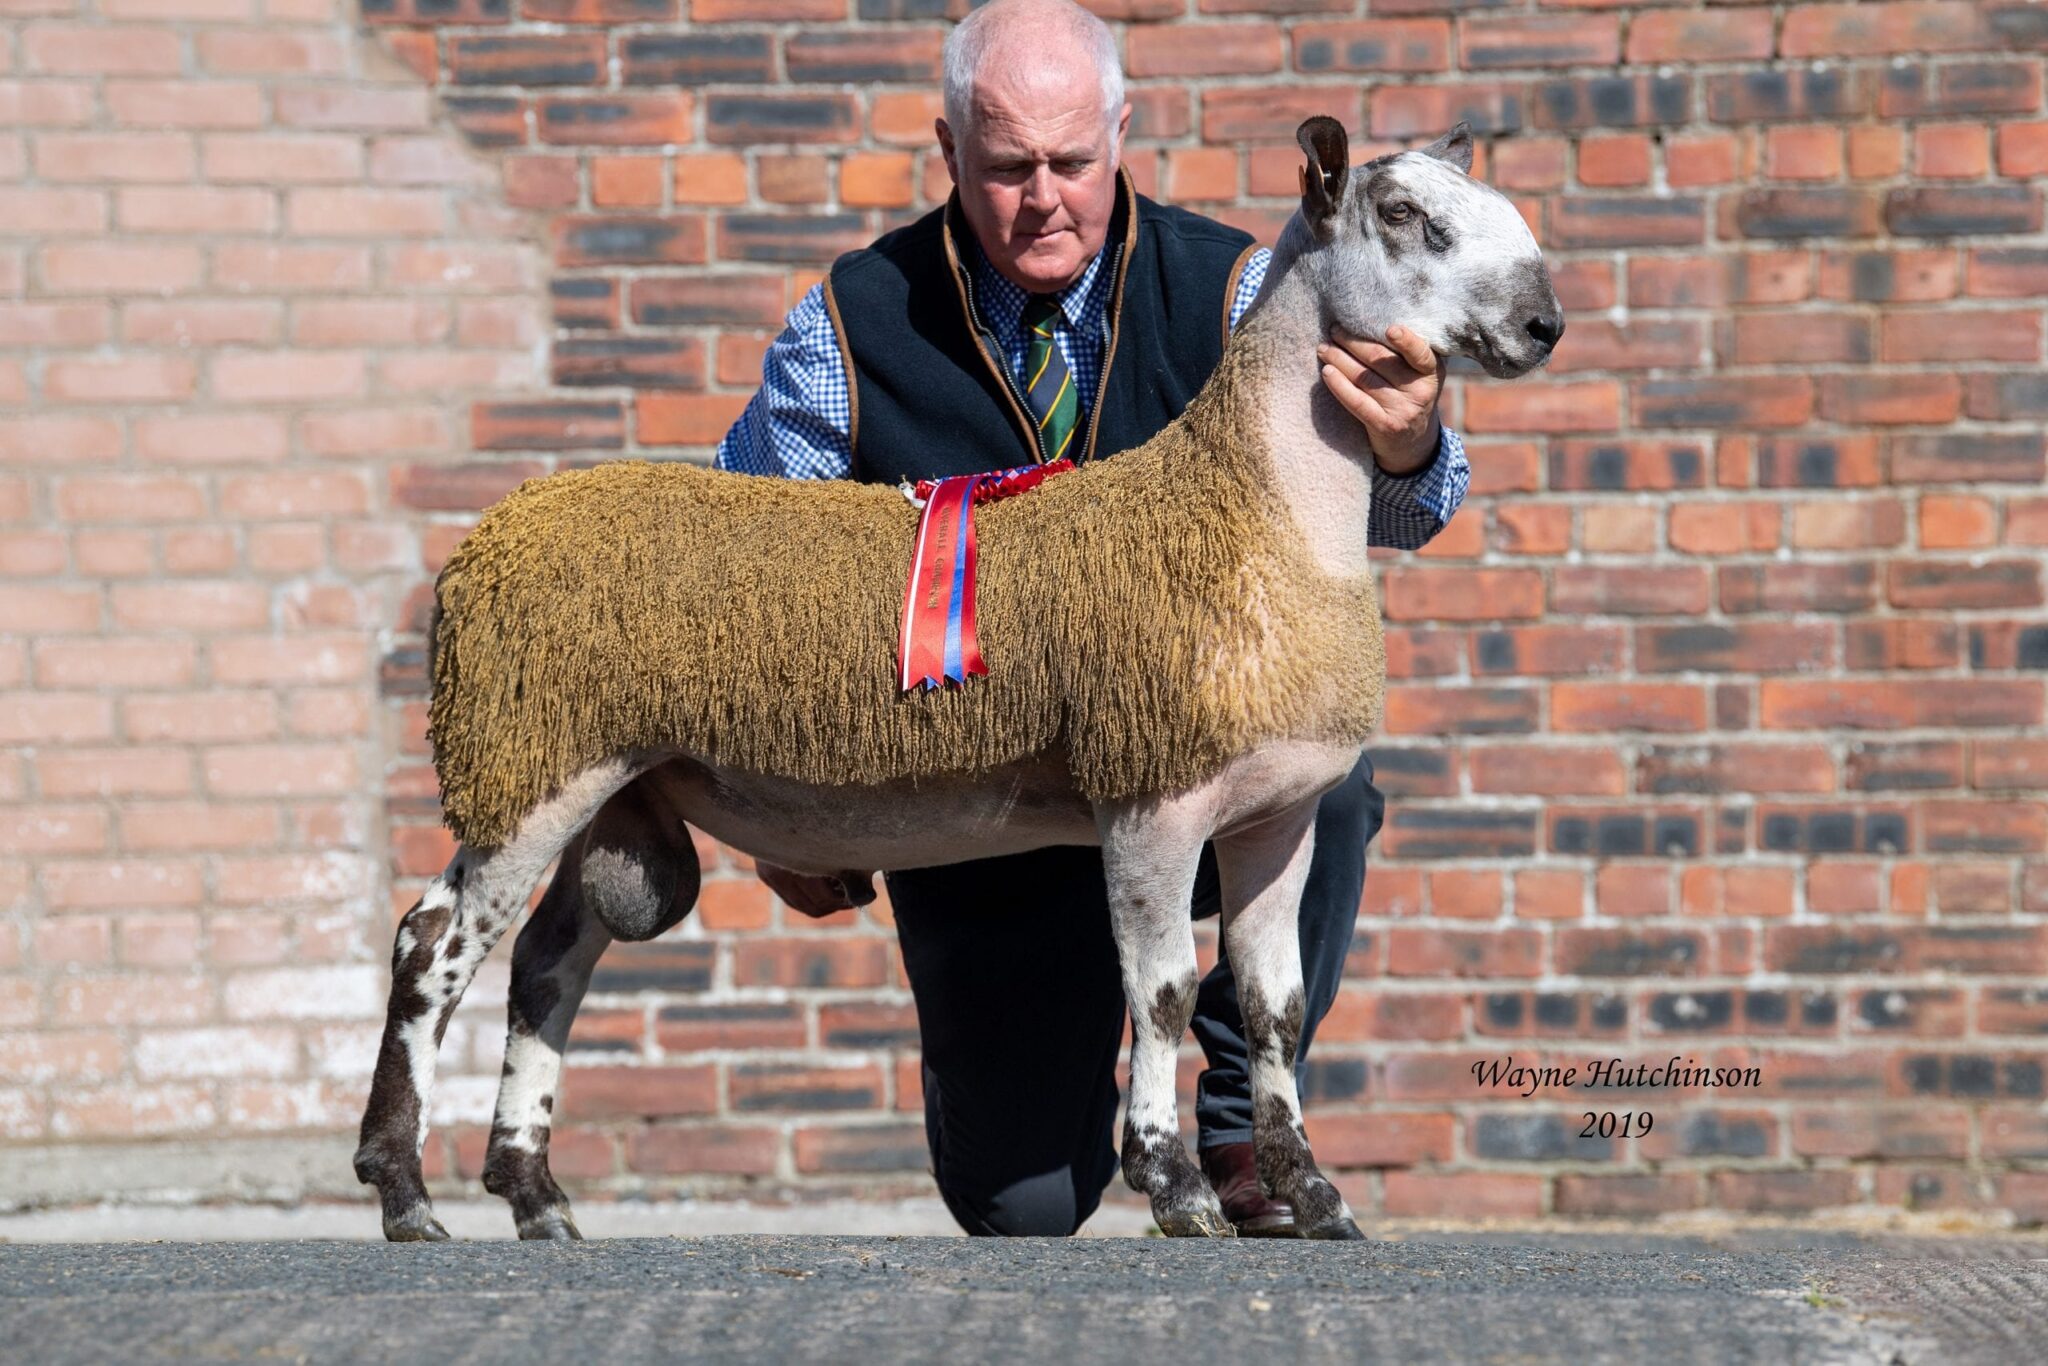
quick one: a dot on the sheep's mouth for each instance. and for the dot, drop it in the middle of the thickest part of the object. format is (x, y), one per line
(1496, 360)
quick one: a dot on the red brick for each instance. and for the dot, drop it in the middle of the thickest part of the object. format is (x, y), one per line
(1389, 1139)
(1627, 1194)
(1653, 591)
(646, 1092)
(1781, 1192)
(1920, 27)
(1951, 151)
(1620, 529)
(866, 1148)
(75, 49)
(1199, 49)
(1239, 114)
(255, 51)
(121, 884)
(526, 59)
(1464, 953)
(1372, 45)
(1360, 1017)
(1539, 41)
(836, 962)
(1986, 583)
(766, 1086)
(1699, 36)
(118, 268)
(674, 239)
(186, 104)
(1463, 1195)
(1433, 710)
(1709, 159)
(704, 1149)
(278, 770)
(1614, 161)
(49, 609)
(1736, 768)
(1462, 595)
(1549, 894)
(1547, 770)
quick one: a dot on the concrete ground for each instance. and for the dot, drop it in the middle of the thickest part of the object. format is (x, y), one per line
(1715, 1294)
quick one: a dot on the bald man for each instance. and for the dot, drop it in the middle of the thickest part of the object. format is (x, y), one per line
(1051, 310)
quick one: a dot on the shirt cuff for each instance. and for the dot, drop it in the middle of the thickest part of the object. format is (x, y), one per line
(1429, 485)
(1409, 509)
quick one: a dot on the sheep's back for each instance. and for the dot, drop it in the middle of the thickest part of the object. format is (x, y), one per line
(751, 621)
(1127, 615)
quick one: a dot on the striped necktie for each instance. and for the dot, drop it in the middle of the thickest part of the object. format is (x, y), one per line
(1047, 381)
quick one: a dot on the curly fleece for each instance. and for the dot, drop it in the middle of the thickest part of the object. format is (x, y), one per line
(1147, 617)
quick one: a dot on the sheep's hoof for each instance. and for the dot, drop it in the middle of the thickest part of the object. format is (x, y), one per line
(1199, 1222)
(550, 1226)
(1343, 1229)
(415, 1224)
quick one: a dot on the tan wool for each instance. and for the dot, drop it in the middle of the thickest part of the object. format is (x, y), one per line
(1148, 617)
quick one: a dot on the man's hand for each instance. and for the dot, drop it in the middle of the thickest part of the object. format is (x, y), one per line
(817, 896)
(1392, 389)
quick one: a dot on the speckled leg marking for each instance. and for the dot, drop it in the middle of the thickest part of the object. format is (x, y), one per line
(1151, 876)
(631, 876)
(439, 944)
(551, 964)
(1262, 873)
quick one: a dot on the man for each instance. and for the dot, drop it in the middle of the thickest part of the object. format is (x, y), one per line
(1050, 310)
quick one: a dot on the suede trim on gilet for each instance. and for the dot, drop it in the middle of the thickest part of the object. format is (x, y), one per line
(928, 383)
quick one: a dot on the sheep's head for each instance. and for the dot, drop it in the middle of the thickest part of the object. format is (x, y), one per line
(1411, 238)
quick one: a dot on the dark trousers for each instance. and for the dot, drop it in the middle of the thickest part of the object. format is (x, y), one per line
(1020, 1004)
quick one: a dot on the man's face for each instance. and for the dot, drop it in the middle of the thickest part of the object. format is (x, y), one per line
(1037, 170)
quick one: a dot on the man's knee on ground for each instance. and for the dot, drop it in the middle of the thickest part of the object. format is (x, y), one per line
(1046, 1205)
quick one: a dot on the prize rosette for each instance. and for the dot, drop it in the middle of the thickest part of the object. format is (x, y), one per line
(938, 642)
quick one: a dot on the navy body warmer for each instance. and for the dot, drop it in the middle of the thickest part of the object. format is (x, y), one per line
(930, 394)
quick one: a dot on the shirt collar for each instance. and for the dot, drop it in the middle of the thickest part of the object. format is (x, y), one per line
(1004, 302)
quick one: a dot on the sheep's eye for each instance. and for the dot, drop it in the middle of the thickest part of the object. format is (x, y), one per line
(1397, 213)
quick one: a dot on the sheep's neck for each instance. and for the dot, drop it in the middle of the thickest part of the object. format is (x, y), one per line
(1318, 457)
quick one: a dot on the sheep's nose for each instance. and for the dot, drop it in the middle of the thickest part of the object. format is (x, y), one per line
(1547, 330)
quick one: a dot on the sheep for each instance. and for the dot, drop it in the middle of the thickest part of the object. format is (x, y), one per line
(1183, 646)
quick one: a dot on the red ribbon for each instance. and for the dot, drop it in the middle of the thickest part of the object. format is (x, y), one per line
(938, 640)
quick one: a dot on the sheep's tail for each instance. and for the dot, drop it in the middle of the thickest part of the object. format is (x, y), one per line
(433, 653)
(432, 661)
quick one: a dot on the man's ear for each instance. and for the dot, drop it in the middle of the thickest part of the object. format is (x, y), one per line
(1329, 165)
(946, 148)
(1454, 147)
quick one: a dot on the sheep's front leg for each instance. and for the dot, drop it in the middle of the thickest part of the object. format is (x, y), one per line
(1150, 867)
(1262, 872)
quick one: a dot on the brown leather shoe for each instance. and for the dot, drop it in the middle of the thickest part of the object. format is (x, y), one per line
(1234, 1173)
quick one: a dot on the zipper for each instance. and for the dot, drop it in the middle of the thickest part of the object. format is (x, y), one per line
(992, 353)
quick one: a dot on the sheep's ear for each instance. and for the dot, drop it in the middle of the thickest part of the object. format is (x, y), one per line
(1454, 147)
(1329, 164)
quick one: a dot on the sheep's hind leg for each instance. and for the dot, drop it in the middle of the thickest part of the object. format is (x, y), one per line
(551, 965)
(438, 947)
(1150, 869)
(632, 876)
(1262, 873)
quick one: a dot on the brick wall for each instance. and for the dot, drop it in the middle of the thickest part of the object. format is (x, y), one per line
(249, 287)
(1716, 725)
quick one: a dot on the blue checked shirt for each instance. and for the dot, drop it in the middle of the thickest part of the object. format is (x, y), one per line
(796, 425)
